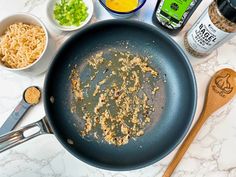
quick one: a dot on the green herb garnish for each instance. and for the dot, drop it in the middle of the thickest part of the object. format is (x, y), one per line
(70, 12)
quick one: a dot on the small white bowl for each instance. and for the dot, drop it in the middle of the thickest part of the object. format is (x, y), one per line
(50, 10)
(42, 63)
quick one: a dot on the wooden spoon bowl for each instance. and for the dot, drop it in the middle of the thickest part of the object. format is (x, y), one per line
(221, 90)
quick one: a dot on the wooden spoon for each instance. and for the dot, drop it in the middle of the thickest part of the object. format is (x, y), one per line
(221, 90)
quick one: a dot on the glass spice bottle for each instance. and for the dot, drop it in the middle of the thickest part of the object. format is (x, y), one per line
(172, 15)
(212, 29)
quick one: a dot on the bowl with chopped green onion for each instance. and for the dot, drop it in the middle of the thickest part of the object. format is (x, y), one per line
(69, 15)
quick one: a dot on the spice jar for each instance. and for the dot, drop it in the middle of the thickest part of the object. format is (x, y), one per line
(172, 15)
(212, 29)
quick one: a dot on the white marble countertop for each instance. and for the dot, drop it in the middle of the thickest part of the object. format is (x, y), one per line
(212, 154)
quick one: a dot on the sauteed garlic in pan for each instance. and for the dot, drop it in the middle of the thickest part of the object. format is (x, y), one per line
(117, 107)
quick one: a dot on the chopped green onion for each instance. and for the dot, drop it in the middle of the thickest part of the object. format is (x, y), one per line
(70, 12)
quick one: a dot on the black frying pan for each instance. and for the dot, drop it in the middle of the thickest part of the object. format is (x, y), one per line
(179, 96)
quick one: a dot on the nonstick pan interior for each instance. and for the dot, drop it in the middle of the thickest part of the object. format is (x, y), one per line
(178, 98)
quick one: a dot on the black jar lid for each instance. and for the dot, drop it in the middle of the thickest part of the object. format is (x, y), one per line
(227, 9)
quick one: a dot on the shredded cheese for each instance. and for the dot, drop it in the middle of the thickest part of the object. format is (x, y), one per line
(21, 45)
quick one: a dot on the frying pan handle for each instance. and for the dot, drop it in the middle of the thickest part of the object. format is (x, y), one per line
(24, 134)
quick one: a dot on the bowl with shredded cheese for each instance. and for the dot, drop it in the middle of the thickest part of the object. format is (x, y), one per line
(24, 44)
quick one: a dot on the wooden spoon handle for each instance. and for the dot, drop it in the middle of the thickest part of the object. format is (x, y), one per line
(184, 147)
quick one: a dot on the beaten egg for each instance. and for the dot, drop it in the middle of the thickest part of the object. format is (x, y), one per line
(122, 5)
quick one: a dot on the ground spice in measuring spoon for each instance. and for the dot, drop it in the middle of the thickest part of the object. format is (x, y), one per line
(32, 95)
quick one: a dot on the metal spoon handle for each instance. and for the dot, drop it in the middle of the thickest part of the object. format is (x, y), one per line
(15, 117)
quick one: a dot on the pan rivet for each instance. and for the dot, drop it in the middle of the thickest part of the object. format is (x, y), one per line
(52, 99)
(69, 141)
